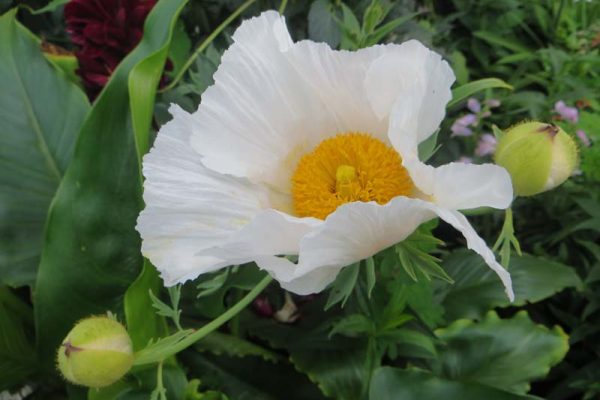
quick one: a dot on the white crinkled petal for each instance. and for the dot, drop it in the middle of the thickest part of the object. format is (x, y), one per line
(411, 84)
(359, 230)
(478, 245)
(274, 100)
(189, 207)
(459, 186)
(270, 233)
(260, 115)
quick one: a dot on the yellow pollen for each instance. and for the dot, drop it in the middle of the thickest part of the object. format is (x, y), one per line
(345, 168)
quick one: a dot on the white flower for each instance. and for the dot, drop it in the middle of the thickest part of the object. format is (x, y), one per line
(283, 145)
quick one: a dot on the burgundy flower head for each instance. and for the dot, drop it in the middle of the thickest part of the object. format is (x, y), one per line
(105, 32)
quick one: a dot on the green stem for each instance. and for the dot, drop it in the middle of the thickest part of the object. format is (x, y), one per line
(213, 325)
(205, 44)
(282, 6)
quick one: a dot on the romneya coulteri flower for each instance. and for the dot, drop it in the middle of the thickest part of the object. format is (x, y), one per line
(298, 149)
(105, 32)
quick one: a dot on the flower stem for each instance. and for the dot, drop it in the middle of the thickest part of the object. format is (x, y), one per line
(507, 239)
(156, 352)
(205, 44)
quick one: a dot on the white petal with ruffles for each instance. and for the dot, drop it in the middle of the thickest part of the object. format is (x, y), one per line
(217, 187)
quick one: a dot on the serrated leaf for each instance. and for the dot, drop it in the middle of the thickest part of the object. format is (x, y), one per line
(502, 353)
(477, 288)
(399, 384)
(223, 344)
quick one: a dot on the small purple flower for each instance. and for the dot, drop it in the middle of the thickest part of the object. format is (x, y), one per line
(486, 145)
(460, 127)
(465, 160)
(584, 138)
(567, 113)
(473, 105)
(493, 103)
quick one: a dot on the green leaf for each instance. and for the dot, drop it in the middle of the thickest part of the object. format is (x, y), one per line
(384, 30)
(161, 349)
(459, 65)
(51, 6)
(17, 355)
(41, 113)
(143, 81)
(410, 343)
(337, 365)
(373, 16)
(214, 288)
(222, 344)
(343, 285)
(351, 33)
(503, 353)
(463, 91)
(502, 41)
(91, 254)
(371, 277)
(143, 325)
(322, 25)
(429, 147)
(398, 384)
(251, 378)
(353, 325)
(477, 289)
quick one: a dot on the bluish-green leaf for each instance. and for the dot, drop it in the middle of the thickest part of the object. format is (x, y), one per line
(322, 25)
(41, 113)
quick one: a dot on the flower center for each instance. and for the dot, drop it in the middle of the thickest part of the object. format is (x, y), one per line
(345, 168)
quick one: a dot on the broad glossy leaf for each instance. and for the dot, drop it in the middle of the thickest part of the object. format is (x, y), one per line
(41, 113)
(504, 353)
(91, 254)
(398, 384)
(477, 289)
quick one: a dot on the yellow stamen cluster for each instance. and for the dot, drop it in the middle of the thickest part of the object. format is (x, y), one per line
(345, 168)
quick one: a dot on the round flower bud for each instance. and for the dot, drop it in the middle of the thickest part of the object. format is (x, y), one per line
(96, 353)
(538, 156)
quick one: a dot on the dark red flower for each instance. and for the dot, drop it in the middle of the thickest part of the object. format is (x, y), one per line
(105, 32)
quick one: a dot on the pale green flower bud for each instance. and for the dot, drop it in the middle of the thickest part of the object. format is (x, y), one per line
(96, 353)
(538, 156)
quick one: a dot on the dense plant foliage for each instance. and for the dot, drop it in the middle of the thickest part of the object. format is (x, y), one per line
(423, 319)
